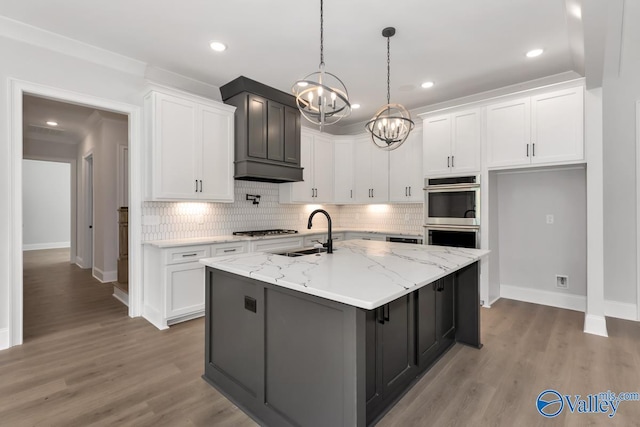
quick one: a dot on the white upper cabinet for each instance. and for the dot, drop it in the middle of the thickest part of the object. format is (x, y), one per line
(317, 161)
(405, 170)
(191, 143)
(372, 172)
(557, 129)
(451, 143)
(344, 163)
(542, 129)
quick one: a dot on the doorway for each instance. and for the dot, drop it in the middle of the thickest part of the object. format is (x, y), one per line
(18, 89)
(87, 261)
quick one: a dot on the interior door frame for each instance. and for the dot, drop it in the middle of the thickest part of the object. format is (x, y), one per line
(88, 217)
(638, 210)
(17, 89)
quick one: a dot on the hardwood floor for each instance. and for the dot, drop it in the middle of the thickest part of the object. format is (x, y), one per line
(85, 362)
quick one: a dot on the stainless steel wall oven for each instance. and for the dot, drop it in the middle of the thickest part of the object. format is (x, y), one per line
(452, 211)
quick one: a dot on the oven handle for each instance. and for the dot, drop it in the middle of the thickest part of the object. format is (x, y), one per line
(453, 227)
(451, 188)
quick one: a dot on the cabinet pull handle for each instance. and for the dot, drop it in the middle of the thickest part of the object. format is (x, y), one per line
(533, 149)
(409, 191)
(189, 255)
(229, 250)
(386, 315)
(527, 150)
(406, 191)
(351, 194)
(380, 315)
(448, 161)
(196, 185)
(452, 161)
(201, 186)
(372, 193)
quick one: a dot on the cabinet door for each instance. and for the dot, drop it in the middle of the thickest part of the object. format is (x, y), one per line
(323, 169)
(508, 133)
(397, 345)
(415, 173)
(275, 131)
(363, 148)
(303, 191)
(174, 148)
(436, 147)
(185, 289)
(373, 370)
(291, 135)
(445, 311)
(257, 127)
(557, 126)
(216, 161)
(465, 147)
(427, 342)
(344, 172)
(405, 170)
(379, 175)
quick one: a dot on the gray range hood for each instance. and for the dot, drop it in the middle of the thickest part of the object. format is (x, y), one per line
(267, 132)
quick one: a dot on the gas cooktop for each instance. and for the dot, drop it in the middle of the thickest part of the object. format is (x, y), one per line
(273, 232)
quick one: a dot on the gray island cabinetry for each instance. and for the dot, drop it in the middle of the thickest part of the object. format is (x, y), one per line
(335, 339)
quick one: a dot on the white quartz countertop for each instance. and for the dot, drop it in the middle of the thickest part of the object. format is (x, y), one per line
(361, 273)
(170, 243)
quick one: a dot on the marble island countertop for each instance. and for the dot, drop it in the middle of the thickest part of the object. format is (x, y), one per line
(361, 273)
(169, 243)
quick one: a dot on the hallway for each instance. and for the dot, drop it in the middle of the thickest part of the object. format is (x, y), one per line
(60, 298)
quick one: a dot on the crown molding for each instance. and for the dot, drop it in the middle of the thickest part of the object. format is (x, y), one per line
(22, 32)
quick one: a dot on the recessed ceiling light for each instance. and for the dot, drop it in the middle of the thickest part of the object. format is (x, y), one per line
(535, 52)
(427, 85)
(218, 46)
(52, 123)
(355, 106)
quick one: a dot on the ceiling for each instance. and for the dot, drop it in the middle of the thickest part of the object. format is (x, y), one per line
(73, 120)
(464, 46)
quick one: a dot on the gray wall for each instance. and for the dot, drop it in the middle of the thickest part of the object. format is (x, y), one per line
(46, 204)
(620, 94)
(532, 252)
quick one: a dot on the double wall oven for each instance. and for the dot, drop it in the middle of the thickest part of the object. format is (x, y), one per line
(452, 211)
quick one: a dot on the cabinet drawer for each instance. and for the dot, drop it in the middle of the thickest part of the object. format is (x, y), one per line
(270, 245)
(187, 254)
(228, 248)
(366, 236)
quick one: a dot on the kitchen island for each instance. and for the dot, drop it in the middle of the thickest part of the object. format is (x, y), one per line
(335, 339)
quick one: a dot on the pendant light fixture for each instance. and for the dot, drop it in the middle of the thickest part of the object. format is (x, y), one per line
(322, 98)
(391, 125)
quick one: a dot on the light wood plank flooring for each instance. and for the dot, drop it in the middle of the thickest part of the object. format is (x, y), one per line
(85, 362)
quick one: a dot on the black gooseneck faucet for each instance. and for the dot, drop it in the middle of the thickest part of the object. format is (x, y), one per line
(329, 244)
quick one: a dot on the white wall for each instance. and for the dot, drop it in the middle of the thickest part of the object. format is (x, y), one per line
(46, 204)
(102, 141)
(532, 252)
(620, 94)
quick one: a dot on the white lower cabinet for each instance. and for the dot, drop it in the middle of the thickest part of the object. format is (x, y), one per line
(174, 281)
(273, 245)
(309, 241)
(365, 236)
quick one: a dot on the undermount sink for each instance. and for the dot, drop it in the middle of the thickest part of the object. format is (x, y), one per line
(305, 251)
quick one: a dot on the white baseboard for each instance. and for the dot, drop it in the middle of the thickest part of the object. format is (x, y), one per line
(620, 310)
(153, 316)
(40, 246)
(4, 338)
(105, 276)
(596, 325)
(121, 296)
(536, 296)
